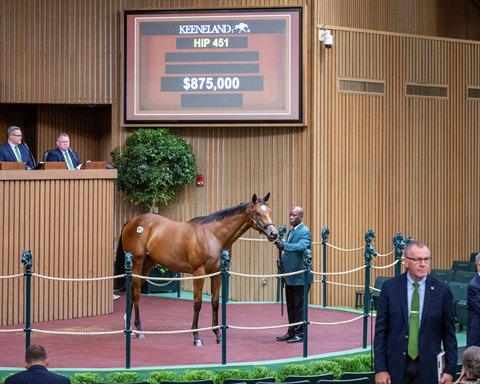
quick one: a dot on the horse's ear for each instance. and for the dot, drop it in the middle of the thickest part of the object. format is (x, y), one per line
(254, 198)
(266, 197)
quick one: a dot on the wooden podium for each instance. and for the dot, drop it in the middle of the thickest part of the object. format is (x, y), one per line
(65, 218)
(12, 166)
(95, 165)
(54, 165)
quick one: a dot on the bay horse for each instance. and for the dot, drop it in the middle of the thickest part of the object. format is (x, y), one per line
(193, 247)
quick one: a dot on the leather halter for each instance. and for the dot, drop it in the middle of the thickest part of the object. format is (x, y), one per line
(261, 227)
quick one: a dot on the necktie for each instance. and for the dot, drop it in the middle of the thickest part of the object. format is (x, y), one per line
(69, 160)
(414, 323)
(18, 155)
(290, 234)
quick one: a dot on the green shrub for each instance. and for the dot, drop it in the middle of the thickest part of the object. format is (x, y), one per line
(157, 376)
(121, 377)
(311, 368)
(85, 378)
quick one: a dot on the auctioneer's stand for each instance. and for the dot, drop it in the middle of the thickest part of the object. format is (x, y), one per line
(65, 218)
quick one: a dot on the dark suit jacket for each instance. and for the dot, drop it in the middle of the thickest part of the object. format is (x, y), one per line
(294, 248)
(436, 325)
(37, 374)
(6, 154)
(473, 305)
(57, 155)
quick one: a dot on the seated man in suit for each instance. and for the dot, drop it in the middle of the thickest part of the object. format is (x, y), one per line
(14, 150)
(64, 153)
(36, 362)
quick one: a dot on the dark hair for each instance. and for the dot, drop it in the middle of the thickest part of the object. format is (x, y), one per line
(35, 353)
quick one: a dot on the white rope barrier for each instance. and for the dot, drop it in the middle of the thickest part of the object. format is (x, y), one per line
(176, 278)
(386, 266)
(344, 284)
(245, 328)
(77, 279)
(266, 276)
(11, 330)
(11, 276)
(86, 333)
(339, 273)
(338, 322)
(177, 331)
(345, 250)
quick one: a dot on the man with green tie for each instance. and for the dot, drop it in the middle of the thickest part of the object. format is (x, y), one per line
(14, 149)
(63, 152)
(415, 317)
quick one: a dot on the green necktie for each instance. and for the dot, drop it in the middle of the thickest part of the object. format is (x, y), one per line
(17, 153)
(69, 160)
(414, 323)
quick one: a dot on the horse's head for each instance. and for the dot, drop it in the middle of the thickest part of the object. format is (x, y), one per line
(261, 216)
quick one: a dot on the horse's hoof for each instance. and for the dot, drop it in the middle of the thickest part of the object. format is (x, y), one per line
(140, 336)
(197, 343)
(219, 341)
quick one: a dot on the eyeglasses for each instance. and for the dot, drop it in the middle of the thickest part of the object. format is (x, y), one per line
(17, 135)
(418, 260)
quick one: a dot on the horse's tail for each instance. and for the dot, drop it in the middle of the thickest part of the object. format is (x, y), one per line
(119, 284)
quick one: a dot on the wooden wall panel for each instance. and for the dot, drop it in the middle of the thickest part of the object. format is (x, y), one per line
(389, 162)
(65, 218)
(394, 162)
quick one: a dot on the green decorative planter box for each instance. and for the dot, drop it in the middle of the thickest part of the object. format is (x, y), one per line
(161, 286)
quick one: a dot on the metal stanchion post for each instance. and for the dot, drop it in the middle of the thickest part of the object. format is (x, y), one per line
(225, 261)
(27, 263)
(128, 307)
(398, 245)
(307, 259)
(325, 234)
(368, 254)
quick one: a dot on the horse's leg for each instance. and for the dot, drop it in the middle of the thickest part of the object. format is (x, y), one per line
(136, 283)
(216, 283)
(197, 306)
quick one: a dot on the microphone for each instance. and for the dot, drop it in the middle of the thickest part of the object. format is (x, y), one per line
(30, 154)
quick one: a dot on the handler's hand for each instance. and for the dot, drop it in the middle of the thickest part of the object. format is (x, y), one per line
(279, 244)
(382, 378)
(446, 379)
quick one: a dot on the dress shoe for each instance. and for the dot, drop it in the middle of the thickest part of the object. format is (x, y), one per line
(285, 337)
(295, 339)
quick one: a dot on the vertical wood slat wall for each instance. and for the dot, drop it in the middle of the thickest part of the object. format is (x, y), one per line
(349, 166)
(396, 162)
(66, 221)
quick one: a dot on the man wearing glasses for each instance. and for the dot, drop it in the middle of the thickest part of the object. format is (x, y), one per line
(15, 150)
(64, 153)
(415, 316)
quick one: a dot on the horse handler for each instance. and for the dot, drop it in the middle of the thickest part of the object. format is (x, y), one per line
(298, 240)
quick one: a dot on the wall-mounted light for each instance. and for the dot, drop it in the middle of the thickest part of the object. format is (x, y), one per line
(325, 35)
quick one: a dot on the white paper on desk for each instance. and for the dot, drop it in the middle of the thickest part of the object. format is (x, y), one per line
(440, 364)
(79, 166)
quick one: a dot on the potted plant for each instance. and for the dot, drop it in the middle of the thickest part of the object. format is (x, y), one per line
(153, 166)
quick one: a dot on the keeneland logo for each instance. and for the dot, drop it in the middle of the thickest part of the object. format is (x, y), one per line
(213, 29)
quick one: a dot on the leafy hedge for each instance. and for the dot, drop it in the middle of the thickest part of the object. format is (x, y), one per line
(358, 363)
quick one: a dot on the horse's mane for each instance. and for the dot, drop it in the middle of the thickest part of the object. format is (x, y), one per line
(220, 215)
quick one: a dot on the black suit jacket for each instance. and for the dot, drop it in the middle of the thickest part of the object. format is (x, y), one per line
(473, 305)
(37, 374)
(57, 155)
(437, 325)
(6, 154)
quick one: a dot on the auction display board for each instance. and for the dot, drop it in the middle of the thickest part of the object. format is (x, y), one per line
(221, 66)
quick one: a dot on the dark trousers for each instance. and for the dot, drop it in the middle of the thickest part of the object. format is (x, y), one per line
(294, 297)
(412, 372)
